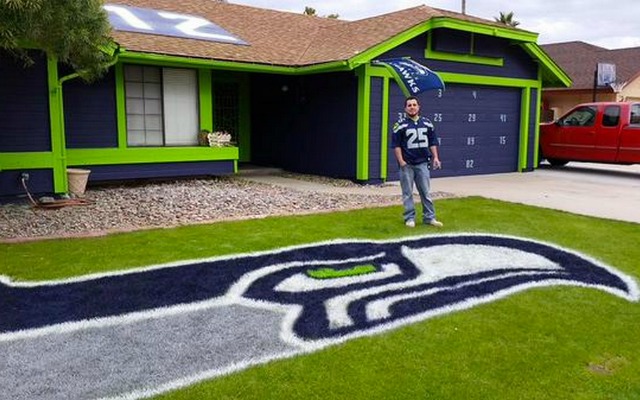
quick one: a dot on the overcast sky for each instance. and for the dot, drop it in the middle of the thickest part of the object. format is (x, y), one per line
(611, 24)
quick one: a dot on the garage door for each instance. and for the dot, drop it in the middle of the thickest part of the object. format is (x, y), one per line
(478, 128)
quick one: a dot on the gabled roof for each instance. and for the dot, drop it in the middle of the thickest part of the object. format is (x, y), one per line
(580, 61)
(276, 37)
(294, 40)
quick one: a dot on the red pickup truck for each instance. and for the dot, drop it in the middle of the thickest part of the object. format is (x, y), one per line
(593, 132)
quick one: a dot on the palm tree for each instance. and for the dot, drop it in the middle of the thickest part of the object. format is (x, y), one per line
(507, 19)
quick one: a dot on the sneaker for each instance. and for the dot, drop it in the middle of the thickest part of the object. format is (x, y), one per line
(410, 223)
(435, 223)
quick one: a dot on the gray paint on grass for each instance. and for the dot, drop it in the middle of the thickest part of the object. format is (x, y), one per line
(112, 360)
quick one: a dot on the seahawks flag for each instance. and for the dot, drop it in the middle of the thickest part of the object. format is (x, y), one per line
(412, 77)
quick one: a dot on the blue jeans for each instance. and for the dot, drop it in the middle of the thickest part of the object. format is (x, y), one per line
(420, 175)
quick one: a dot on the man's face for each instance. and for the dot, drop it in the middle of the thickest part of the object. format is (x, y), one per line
(412, 108)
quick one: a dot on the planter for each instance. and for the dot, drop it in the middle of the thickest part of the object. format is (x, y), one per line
(77, 179)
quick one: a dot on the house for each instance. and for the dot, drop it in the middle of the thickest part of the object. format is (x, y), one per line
(580, 61)
(296, 92)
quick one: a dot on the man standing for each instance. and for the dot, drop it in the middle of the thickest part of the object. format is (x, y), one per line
(415, 145)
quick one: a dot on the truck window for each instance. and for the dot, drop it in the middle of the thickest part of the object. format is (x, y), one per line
(635, 114)
(611, 116)
(582, 116)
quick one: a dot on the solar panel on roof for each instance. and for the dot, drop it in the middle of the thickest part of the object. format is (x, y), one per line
(158, 22)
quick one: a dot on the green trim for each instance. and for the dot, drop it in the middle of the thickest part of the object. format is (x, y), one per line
(205, 99)
(536, 154)
(56, 122)
(25, 160)
(482, 29)
(149, 155)
(525, 84)
(552, 74)
(364, 103)
(448, 77)
(463, 58)
(429, 53)
(525, 105)
(121, 106)
(366, 56)
(177, 61)
(384, 142)
(442, 22)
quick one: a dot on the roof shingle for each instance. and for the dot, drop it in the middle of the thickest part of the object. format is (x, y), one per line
(276, 37)
(579, 60)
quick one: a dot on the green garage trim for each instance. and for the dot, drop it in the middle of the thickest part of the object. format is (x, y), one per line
(367, 72)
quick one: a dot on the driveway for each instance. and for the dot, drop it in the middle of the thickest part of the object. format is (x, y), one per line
(607, 191)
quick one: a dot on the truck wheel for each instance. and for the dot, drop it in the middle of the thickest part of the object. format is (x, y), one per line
(557, 163)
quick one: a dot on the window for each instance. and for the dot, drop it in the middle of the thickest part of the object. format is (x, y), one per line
(635, 114)
(583, 116)
(162, 106)
(611, 116)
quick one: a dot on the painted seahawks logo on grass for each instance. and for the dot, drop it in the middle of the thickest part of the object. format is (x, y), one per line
(408, 280)
(196, 320)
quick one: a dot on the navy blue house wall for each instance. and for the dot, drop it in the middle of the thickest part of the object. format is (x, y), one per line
(24, 119)
(90, 113)
(305, 124)
(478, 125)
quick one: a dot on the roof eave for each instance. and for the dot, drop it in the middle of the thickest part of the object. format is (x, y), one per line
(142, 57)
(552, 74)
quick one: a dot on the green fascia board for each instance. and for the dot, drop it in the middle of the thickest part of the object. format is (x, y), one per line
(26, 160)
(441, 22)
(149, 155)
(177, 61)
(482, 29)
(366, 56)
(552, 74)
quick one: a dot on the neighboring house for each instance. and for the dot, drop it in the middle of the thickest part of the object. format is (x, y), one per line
(580, 61)
(297, 92)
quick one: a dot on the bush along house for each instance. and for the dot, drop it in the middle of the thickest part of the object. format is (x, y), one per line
(199, 87)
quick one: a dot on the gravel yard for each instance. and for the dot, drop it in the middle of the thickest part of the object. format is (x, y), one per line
(173, 203)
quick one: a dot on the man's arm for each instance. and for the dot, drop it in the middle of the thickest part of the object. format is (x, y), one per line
(397, 151)
(435, 161)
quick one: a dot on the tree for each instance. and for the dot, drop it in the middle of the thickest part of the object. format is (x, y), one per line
(312, 12)
(507, 19)
(77, 32)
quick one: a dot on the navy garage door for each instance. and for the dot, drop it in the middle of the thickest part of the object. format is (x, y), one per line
(478, 128)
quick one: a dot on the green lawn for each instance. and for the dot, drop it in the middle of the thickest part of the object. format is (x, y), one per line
(550, 343)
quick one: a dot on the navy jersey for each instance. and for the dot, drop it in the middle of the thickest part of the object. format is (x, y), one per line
(414, 138)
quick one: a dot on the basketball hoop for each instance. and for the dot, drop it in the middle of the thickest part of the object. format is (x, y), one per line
(616, 86)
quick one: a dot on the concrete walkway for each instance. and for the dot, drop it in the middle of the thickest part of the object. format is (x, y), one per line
(605, 191)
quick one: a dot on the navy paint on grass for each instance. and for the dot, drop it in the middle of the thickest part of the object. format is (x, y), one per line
(53, 303)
